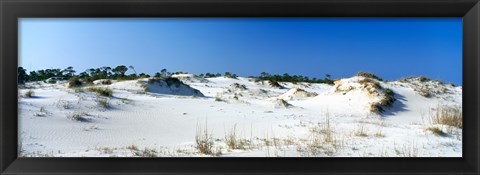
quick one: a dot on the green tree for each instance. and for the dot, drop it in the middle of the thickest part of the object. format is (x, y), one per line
(164, 72)
(68, 72)
(120, 71)
(22, 75)
(33, 76)
(131, 67)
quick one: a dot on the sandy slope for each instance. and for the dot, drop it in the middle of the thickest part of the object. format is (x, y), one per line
(164, 120)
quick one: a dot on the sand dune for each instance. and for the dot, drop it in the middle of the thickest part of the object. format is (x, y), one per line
(354, 117)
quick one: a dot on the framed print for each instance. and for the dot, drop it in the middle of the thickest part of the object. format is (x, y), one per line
(157, 87)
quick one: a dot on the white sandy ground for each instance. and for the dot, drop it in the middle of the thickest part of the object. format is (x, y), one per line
(165, 122)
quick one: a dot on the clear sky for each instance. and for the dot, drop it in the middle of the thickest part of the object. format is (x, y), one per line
(389, 47)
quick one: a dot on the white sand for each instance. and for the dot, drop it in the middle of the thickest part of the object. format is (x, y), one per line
(165, 120)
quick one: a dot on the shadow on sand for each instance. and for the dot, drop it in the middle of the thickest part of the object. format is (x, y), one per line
(397, 106)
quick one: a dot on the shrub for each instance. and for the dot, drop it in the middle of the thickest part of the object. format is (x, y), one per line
(368, 75)
(30, 93)
(101, 91)
(74, 82)
(423, 79)
(389, 91)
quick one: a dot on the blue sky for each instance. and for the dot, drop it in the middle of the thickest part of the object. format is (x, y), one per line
(389, 47)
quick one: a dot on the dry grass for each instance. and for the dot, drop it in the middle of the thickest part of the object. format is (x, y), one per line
(322, 138)
(132, 147)
(232, 140)
(447, 115)
(407, 150)
(204, 141)
(379, 133)
(366, 82)
(360, 131)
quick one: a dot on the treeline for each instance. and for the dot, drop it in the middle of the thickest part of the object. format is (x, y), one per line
(294, 78)
(92, 74)
(119, 73)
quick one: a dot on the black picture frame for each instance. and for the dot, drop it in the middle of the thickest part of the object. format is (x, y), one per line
(11, 10)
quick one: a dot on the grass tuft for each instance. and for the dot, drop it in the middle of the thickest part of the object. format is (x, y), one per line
(30, 93)
(101, 91)
(204, 141)
(233, 142)
(447, 115)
